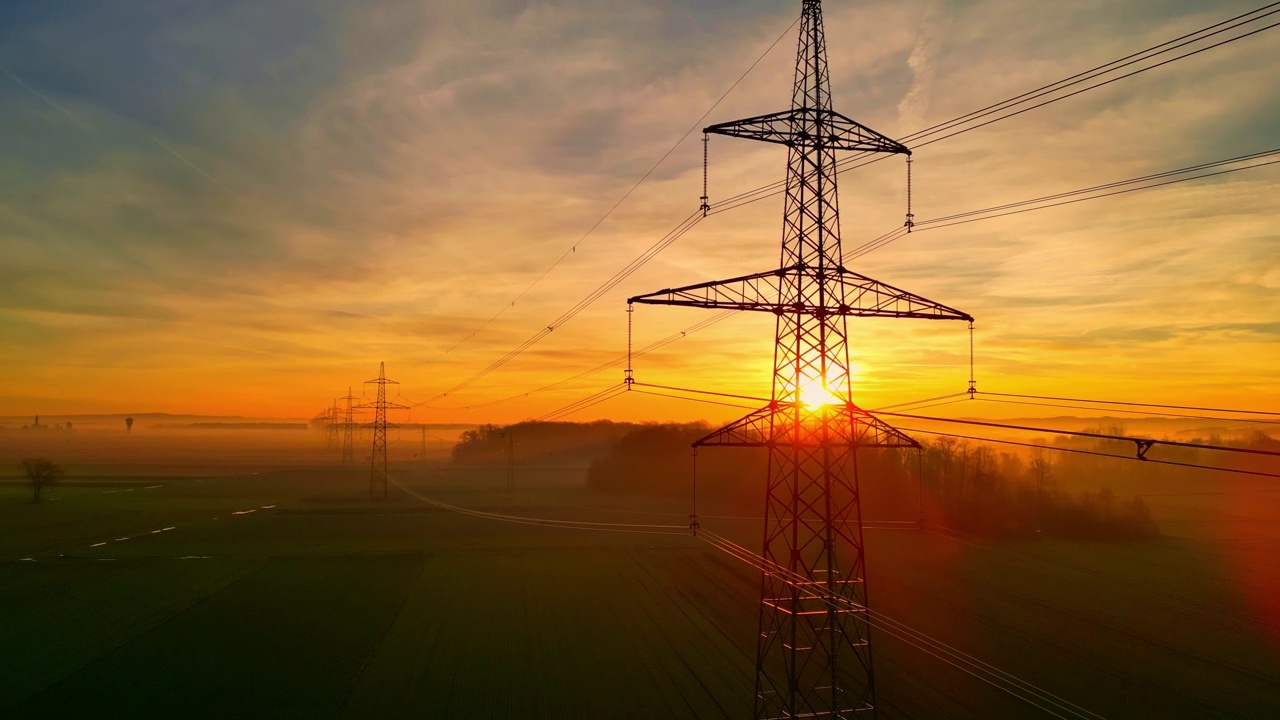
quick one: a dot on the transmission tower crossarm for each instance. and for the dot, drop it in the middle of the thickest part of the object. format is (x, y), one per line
(854, 295)
(810, 128)
(775, 425)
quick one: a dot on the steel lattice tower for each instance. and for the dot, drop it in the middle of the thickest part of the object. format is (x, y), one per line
(348, 429)
(331, 417)
(378, 459)
(813, 655)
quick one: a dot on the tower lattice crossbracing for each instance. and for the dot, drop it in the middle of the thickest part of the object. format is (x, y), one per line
(813, 654)
(348, 428)
(378, 457)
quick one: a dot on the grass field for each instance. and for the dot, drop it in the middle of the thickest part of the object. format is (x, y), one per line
(288, 593)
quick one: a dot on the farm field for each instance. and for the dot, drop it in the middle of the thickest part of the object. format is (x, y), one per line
(288, 593)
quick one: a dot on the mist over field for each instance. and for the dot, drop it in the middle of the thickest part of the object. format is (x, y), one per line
(615, 360)
(172, 564)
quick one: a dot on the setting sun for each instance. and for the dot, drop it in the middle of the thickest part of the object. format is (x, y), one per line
(712, 355)
(815, 394)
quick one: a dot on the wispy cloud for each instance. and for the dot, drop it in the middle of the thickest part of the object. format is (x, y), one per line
(389, 177)
(45, 98)
(193, 166)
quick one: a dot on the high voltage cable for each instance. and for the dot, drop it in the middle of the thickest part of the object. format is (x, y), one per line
(776, 188)
(1137, 404)
(1140, 441)
(549, 522)
(1007, 682)
(928, 224)
(595, 399)
(1110, 194)
(985, 213)
(1078, 451)
(621, 359)
(615, 390)
(984, 671)
(1106, 186)
(701, 400)
(764, 191)
(582, 304)
(1143, 413)
(1115, 79)
(896, 234)
(702, 392)
(991, 212)
(1092, 72)
(573, 248)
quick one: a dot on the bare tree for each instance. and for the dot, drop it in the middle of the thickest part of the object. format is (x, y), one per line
(41, 472)
(1040, 468)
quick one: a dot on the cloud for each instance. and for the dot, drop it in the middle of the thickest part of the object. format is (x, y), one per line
(268, 190)
(923, 61)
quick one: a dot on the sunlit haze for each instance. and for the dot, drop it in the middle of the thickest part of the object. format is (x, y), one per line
(709, 359)
(242, 208)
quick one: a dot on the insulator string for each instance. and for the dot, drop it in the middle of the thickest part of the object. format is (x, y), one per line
(706, 206)
(973, 383)
(629, 375)
(911, 218)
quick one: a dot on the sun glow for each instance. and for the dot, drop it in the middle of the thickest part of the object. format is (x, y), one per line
(814, 394)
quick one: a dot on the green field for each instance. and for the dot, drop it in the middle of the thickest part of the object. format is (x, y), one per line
(322, 603)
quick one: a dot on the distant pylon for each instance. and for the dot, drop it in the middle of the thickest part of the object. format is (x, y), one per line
(511, 460)
(813, 654)
(380, 405)
(348, 429)
(331, 425)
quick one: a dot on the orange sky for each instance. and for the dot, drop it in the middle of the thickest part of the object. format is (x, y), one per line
(242, 210)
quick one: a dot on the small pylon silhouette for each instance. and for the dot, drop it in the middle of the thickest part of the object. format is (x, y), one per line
(332, 426)
(348, 428)
(380, 405)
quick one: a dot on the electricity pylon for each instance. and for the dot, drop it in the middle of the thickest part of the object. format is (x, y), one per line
(348, 429)
(813, 657)
(511, 460)
(331, 416)
(378, 458)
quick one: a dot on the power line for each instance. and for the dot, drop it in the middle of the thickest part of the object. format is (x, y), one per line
(702, 392)
(582, 304)
(1035, 203)
(1109, 194)
(643, 529)
(1142, 443)
(692, 399)
(573, 248)
(1142, 413)
(1007, 682)
(692, 220)
(1092, 74)
(1106, 186)
(594, 399)
(852, 162)
(621, 359)
(1114, 64)
(1078, 451)
(922, 226)
(1138, 404)
(776, 188)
